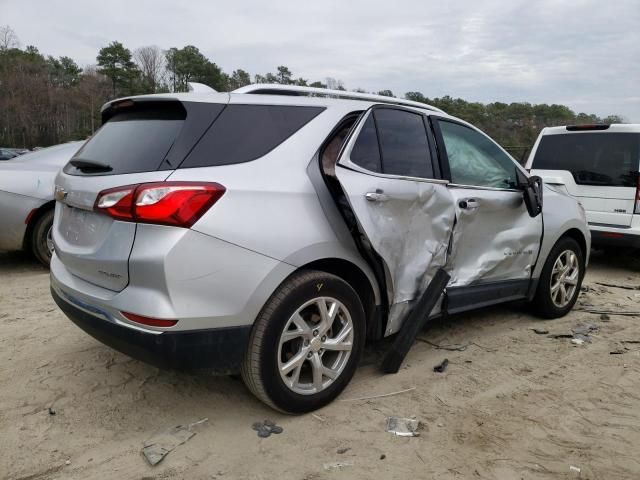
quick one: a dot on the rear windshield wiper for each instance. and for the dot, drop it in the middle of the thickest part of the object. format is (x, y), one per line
(90, 166)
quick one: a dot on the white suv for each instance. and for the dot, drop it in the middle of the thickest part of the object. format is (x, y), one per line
(598, 165)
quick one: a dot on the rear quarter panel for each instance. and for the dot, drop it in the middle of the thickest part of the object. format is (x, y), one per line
(14, 210)
(271, 206)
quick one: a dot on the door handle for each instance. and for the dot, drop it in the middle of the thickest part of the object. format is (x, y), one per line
(377, 196)
(468, 204)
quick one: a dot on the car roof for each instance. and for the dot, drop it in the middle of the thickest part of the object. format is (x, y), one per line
(285, 95)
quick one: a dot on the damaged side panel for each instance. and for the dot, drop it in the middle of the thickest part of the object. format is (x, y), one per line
(494, 238)
(409, 224)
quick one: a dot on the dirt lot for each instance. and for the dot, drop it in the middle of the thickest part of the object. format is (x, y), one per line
(512, 404)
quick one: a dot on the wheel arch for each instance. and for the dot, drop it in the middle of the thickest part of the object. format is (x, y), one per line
(358, 280)
(579, 237)
(33, 218)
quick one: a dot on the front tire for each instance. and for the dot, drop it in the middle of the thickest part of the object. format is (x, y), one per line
(306, 343)
(41, 242)
(561, 279)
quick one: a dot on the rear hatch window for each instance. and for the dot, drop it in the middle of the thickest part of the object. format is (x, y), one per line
(144, 137)
(601, 159)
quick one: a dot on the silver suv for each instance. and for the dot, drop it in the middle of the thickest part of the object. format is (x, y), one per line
(274, 229)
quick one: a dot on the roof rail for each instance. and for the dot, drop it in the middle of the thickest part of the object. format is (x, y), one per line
(277, 89)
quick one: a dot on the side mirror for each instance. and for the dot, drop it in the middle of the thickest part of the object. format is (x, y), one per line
(533, 196)
(531, 192)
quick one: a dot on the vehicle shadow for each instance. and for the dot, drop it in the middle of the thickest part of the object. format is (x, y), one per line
(627, 259)
(18, 262)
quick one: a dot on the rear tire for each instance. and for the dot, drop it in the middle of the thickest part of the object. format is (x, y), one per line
(297, 362)
(556, 295)
(41, 243)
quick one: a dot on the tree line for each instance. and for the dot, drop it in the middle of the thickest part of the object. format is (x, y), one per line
(46, 100)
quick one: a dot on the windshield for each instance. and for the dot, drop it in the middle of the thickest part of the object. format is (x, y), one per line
(609, 159)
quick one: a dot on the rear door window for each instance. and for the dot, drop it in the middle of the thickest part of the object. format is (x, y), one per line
(607, 159)
(243, 133)
(403, 143)
(394, 142)
(366, 150)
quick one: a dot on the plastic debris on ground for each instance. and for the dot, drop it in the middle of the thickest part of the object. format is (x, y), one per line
(442, 366)
(403, 427)
(159, 446)
(540, 331)
(337, 465)
(266, 428)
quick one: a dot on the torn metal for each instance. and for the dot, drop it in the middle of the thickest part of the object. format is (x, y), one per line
(409, 225)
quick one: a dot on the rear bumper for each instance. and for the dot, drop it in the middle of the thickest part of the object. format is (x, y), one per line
(217, 350)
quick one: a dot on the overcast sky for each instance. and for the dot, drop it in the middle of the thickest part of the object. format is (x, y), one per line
(582, 53)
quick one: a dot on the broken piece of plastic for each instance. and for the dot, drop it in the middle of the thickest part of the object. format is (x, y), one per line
(403, 427)
(442, 366)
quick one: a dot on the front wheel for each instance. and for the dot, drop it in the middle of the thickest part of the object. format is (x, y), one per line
(561, 279)
(306, 342)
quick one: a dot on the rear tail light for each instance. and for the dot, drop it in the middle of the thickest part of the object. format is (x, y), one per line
(637, 207)
(178, 204)
(152, 322)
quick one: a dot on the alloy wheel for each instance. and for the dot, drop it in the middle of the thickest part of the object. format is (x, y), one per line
(315, 345)
(564, 278)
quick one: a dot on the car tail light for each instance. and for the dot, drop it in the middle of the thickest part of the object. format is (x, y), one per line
(178, 204)
(637, 207)
(152, 322)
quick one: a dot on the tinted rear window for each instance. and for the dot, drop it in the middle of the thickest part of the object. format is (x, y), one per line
(403, 143)
(136, 140)
(609, 159)
(246, 132)
(365, 152)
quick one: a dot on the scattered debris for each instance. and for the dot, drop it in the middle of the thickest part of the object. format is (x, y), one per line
(383, 456)
(617, 285)
(581, 337)
(574, 469)
(577, 341)
(403, 427)
(318, 417)
(51, 411)
(266, 428)
(159, 446)
(452, 348)
(337, 465)
(442, 366)
(540, 331)
(604, 317)
(608, 312)
(340, 451)
(584, 328)
(67, 462)
(378, 396)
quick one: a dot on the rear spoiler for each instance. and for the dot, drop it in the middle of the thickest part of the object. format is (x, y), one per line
(586, 127)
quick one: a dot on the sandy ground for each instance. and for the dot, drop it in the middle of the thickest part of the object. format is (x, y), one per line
(513, 404)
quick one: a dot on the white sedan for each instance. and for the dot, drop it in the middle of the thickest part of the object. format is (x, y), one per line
(26, 199)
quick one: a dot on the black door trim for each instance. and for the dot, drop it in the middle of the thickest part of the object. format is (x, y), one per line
(469, 297)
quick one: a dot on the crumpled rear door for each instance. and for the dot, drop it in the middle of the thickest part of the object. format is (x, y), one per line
(408, 221)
